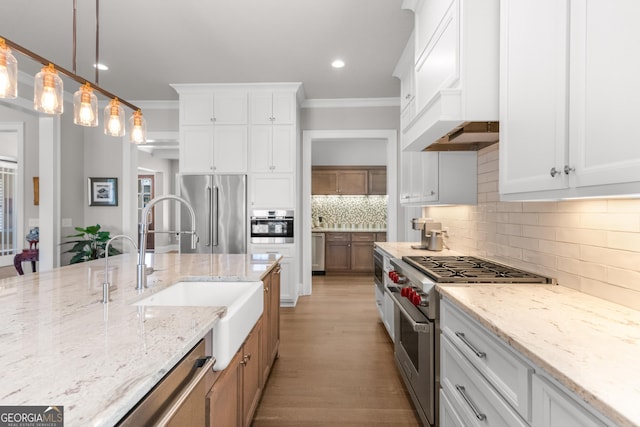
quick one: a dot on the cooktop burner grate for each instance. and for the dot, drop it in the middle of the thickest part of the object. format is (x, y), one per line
(468, 269)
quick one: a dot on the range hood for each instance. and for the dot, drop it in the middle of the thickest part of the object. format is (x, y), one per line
(469, 136)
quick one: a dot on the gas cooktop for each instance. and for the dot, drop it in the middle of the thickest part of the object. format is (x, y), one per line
(469, 269)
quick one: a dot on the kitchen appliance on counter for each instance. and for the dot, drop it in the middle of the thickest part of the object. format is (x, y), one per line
(416, 315)
(220, 204)
(431, 233)
(272, 226)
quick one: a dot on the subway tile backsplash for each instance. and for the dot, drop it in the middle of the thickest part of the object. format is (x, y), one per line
(591, 245)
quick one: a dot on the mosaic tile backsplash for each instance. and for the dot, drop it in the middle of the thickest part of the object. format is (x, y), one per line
(358, 210)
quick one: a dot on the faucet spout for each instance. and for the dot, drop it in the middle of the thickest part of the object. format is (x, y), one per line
(143, 231)
(105, 284)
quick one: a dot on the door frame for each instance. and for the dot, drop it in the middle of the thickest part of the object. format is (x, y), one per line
(18, 128)
(390, 136)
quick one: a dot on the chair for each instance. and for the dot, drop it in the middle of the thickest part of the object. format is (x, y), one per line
(30, 254)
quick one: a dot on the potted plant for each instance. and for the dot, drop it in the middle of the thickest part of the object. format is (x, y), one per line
(90, 244)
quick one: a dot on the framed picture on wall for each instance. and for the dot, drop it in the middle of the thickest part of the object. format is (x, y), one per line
(103, 191)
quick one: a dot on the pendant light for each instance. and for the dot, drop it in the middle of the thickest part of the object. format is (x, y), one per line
(8, 72)
(47, 95)
(137, 128)
(114, 118)
(85, 106)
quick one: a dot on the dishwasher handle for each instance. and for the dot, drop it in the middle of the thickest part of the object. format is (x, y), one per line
(170, 412)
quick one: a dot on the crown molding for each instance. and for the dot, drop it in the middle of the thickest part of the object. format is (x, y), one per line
(351, 103)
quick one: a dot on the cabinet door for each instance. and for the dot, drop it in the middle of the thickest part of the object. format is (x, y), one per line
(262, 108)
(448, 415)
(337, 255)
(377, 181)
(362, 256)
(288, 283)
(604, 103)
(283, 146)
(273, 191)
(230, 149)
(266, 326)
(324, 182)
(554, 408)
(196, 108)
(196, 149)
(251, 374)
(429, 166)
(284, 108)
(230, 107)
(274, 320)
(352, 182)
(223, 401)
(261, 149)
(533, 95)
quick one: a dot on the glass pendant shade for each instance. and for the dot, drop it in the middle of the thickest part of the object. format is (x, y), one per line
(8, 72)
(85, 106)
(138, 128)
(47, 95)
(114, 118)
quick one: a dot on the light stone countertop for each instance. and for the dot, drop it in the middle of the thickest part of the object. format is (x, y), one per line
(59, 345)
(589, 345)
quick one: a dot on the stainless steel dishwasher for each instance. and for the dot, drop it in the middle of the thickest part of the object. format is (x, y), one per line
(317, 253)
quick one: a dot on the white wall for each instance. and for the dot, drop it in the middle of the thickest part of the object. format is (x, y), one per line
(349, 153)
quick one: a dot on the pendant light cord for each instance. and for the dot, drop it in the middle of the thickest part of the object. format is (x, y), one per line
(97, 41)
(75, 26)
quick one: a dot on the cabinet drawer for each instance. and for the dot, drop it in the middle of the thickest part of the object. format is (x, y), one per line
(472, 397)
(338, 237)
(363, 237)
(507, 372)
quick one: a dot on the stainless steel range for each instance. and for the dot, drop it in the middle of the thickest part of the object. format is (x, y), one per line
(416, 316)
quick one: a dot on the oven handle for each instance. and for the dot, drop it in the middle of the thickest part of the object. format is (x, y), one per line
(416, 326)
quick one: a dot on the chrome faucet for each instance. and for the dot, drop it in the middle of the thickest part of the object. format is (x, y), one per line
(143, 230)
(105, 284)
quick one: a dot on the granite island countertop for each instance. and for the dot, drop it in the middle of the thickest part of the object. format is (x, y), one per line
(59, 345)
(589, 345)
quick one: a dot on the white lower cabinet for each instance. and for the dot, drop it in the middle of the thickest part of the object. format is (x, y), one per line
(473, 399)
(288, 277)
(485, 382)
(553, 407)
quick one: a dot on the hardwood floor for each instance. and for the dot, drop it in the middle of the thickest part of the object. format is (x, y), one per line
(336, 365)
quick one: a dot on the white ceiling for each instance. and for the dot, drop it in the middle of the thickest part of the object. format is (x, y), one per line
(149, 44)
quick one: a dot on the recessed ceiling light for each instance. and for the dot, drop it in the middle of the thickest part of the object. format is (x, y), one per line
(338, 63)
(101, 67)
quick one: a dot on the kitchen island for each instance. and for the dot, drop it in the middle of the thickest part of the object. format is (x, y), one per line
(60, 345)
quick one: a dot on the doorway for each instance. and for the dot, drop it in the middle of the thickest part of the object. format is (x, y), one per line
(11, 190)
(390, 136)
(146, 192)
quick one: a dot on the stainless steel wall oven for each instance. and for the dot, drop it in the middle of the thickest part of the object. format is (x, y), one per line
(272, 226)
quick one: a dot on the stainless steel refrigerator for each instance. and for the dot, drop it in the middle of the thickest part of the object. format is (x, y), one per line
(220, 204)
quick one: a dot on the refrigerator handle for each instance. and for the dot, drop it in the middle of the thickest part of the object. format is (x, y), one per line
(209, 218)
(215, 215)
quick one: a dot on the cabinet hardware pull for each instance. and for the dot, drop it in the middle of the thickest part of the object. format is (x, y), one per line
(266, 289)
(479, 415)
(568, 169)
(184, 395)
(478, 353)
(554, 172)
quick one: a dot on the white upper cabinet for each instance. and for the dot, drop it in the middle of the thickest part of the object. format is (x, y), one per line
(220, 107)
(568, 91)
(273, 148)
(455, 68)
(436, 178)
(273, 107)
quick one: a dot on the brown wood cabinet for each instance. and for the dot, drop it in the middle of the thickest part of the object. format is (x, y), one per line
(377, 180)
(235, 394)
(350, 252)
(271, 320)
(348, 180)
